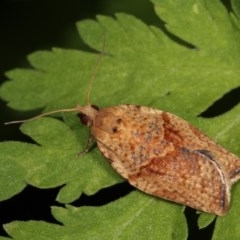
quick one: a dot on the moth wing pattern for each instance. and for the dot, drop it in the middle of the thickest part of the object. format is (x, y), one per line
(194, 181)
(163, 155)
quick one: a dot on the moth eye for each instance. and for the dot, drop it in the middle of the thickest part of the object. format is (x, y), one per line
(83, 118)
(95, 107)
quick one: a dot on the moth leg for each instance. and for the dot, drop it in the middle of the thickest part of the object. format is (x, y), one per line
(87, 147)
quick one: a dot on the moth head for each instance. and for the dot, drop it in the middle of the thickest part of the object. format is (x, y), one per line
(87, 114)
(110, 123)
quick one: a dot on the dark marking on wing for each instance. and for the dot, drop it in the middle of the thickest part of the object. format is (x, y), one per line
(206, 153)
(210, 156)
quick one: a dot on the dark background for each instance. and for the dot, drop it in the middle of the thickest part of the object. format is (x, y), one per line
(30, 25)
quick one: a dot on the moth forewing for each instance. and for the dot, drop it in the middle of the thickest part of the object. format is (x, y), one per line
(163, 155)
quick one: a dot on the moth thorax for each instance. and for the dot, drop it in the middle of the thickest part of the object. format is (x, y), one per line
(87, 114)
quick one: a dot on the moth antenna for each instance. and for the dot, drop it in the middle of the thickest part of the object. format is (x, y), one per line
(88, 92)
(43, 114)
(96, 66)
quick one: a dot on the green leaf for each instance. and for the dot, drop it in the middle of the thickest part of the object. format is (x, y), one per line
(4, 238)
(118, 220)
(53, 162)
(205, 219)
(144, 66)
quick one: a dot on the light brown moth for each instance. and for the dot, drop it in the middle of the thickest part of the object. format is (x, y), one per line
(161, 154)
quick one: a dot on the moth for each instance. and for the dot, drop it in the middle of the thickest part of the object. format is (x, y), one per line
(160, 153)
